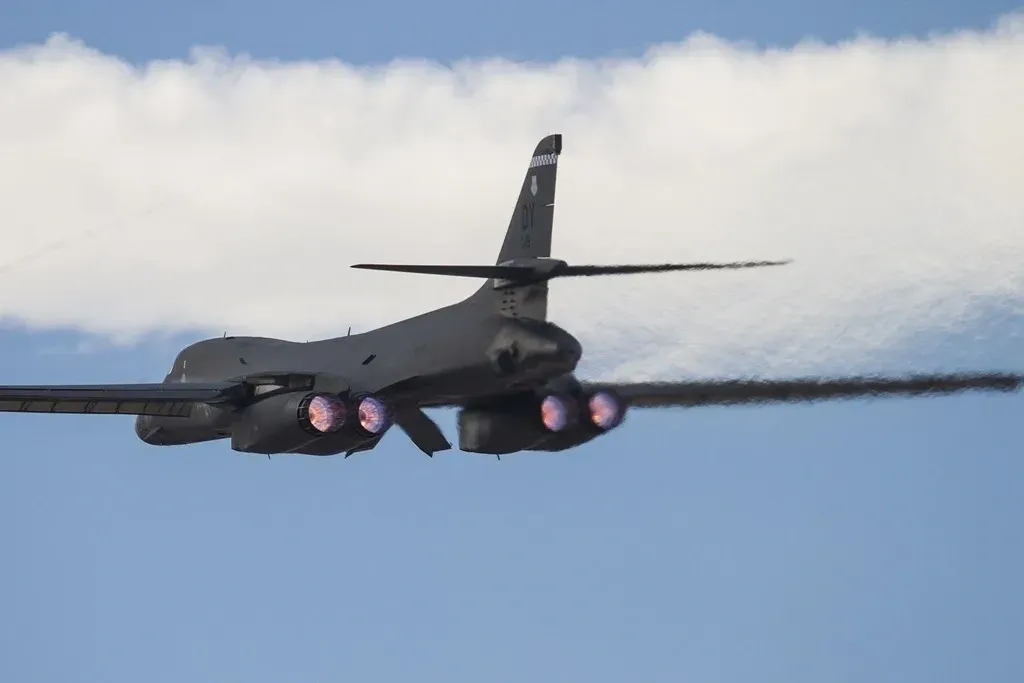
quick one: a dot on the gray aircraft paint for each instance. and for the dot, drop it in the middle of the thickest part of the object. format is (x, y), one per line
(494, 356)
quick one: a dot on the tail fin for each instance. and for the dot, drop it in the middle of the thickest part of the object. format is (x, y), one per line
(529, 230)
(511, 290)
(518, 283)
(529, 233)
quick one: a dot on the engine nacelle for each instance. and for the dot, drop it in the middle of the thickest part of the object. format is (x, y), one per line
(286, 423)
(550, 422)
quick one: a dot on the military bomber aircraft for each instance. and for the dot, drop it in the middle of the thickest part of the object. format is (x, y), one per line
(494, 356)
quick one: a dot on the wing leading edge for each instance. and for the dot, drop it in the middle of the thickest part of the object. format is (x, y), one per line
(170, 399)
(802, 390)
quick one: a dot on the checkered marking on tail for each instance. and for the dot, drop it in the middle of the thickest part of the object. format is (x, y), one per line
(543, 160)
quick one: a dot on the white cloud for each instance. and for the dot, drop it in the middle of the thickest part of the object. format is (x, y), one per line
(223, 193)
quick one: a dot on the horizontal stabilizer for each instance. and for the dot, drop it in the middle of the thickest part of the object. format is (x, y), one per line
(484, 272)
(585, 271)
(528, 271)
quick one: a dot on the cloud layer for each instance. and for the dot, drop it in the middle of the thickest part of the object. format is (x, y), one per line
(222, 193)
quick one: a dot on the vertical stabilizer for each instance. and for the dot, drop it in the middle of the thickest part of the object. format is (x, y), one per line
(525, 255)
(517, 285)
(529, 232)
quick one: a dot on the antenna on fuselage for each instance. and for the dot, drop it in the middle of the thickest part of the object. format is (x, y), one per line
(349, 331)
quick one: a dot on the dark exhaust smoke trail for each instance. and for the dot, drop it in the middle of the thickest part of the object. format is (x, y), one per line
(809, 389)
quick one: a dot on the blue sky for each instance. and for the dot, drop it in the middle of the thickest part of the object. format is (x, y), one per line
(845, 542)
(529, 30)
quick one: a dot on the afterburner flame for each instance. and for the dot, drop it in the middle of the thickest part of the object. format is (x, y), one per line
(373, 415)
(606, 411)
(554, 413)
(326, 413)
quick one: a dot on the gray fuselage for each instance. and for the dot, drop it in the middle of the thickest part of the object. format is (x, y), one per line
(450, 355)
